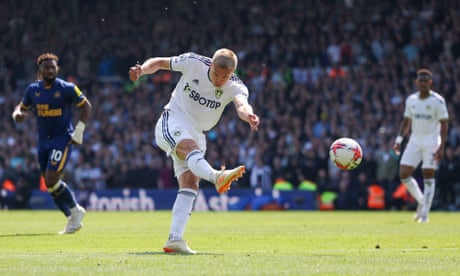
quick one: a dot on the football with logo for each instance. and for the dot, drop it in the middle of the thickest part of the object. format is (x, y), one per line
(346, 153)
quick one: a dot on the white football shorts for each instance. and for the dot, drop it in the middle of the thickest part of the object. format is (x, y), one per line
(414, 154)
(172, 128)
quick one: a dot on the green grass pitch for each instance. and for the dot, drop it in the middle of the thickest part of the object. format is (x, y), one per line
(232, 243)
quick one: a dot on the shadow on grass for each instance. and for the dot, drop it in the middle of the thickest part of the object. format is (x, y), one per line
(27, 235)
(173, 254)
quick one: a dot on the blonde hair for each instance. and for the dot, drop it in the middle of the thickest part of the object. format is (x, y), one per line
(225, 59)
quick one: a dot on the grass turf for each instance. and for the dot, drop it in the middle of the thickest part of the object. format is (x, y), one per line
(232, 243)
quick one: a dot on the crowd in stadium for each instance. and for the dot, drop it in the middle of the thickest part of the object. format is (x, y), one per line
(316, 71)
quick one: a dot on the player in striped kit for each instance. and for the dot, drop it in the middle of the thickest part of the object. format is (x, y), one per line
(206, 87)
(426, 119)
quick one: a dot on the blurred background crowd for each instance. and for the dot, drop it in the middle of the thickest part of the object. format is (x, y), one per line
(316, 71)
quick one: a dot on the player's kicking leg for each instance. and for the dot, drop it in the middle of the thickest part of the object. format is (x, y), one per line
(226, 177)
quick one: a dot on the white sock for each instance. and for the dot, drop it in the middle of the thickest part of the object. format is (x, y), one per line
(414, 189)
(428, 192)
(200, 167)
(181, 212)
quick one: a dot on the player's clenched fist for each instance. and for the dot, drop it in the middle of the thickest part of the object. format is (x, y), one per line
(135, 72)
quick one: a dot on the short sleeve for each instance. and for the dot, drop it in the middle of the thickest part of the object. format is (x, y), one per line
(179, 63)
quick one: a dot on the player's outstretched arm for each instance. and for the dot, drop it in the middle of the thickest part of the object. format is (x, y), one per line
(150, 66)
(245, 112)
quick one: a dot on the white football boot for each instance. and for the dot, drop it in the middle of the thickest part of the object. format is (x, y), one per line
(178, 246)
(74, 221)
(226, 177)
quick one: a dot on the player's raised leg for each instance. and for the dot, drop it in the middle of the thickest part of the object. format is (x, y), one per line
(226, 177)
(222, 179)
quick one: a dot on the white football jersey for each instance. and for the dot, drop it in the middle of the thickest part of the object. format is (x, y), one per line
(425, 115)
(196, 97)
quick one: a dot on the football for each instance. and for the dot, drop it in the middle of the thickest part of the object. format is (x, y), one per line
(346, 153)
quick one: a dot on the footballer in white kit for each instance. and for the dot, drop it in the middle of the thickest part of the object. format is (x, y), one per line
(196, 105)
(196, 96)
(425, 137)
(426, 119)
(206, 87)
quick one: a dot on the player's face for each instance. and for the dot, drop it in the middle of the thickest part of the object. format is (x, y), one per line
(48, 70)
(424, 82)
(219, 76)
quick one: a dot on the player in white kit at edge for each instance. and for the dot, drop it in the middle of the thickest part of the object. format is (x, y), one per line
(206, 87)
(426, 119)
